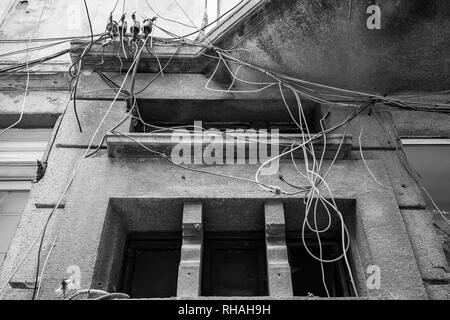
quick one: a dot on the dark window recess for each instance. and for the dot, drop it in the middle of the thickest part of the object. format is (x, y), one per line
(223, 115)
(234, 265)
(306, 271)
(151, 265)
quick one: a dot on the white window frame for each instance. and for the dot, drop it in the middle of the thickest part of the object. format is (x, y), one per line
(425, 142)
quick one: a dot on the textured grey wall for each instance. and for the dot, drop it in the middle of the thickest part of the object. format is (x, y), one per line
(321, 40)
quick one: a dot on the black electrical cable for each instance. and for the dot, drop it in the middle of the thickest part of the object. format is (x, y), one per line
(99, 147)
(115, 6)
(21, 66)
(33, 49)
(86, 51)
(75, 90)
(281, 177)
(74, 97)
(112, 84)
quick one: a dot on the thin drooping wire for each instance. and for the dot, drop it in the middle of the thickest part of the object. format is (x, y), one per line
(22, 66)
(365, 162)
(306, 146)
(167, 19)
(86, 51)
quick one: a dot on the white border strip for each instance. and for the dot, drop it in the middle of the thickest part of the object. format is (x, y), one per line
(6, 9)
(425, 142)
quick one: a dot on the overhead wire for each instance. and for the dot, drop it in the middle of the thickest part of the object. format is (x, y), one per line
(365, 162)
(72, 38)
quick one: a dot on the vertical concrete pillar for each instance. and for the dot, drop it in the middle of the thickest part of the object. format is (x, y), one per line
(191, 251)
(279, 271)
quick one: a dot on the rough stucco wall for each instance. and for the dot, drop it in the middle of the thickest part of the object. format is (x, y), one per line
(62, 18)
(316, 40)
